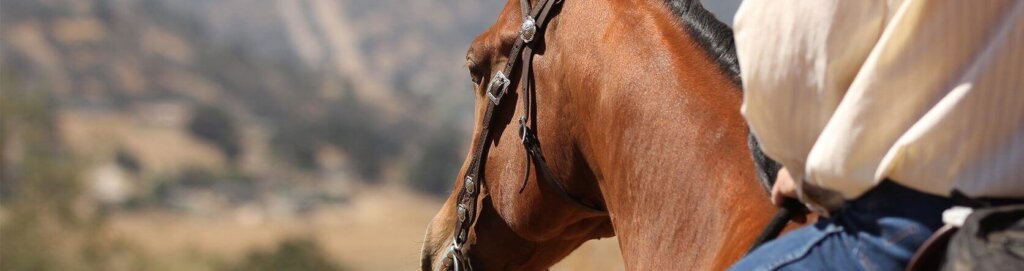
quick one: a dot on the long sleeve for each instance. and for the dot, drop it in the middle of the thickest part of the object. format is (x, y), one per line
(927, 93)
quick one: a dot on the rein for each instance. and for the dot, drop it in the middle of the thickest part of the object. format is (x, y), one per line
(469, 196)
(790, 209)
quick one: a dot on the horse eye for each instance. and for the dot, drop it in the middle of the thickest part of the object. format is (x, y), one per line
(475, 70)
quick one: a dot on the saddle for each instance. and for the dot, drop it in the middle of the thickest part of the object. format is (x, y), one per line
(990, 239)
(932, 254)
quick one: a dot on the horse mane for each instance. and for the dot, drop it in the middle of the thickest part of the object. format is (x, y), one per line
(715, 37)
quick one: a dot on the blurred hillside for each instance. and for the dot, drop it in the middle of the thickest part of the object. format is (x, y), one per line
(267, 91)
(309, 89)
(228, 135)
(234, 134)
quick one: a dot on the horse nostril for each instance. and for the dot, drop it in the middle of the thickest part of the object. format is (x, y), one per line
(427, 254)
(426, 261)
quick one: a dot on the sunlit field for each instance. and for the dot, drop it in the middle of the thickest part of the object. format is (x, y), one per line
(380, 230)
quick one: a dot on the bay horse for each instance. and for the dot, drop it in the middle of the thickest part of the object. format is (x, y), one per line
(635, 111)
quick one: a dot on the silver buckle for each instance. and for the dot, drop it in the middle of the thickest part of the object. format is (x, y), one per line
(459, 261)
(528, 29)
(499, 82)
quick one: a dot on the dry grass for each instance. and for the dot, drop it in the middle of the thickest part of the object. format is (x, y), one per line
(379, 230)
(160, 148)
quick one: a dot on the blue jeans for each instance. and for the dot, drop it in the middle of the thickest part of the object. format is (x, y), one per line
(880, 230)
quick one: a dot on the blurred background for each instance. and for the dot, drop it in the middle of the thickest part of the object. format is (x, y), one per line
(235, 134)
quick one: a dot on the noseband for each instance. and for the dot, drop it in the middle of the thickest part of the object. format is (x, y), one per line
(532, 24)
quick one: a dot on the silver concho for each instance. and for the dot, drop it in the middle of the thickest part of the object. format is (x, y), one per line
(470, 186)
(462, 212)
(528, 29)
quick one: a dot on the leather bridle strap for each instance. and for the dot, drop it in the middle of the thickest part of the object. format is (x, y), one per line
(468, 197)
(529, 138)
(532, 147)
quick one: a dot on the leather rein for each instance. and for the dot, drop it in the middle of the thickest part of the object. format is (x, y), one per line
(468, 199)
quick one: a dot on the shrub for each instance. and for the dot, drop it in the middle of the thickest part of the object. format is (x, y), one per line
(215, 125)
(291, 254)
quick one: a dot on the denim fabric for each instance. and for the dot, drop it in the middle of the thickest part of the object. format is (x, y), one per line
(878, 231)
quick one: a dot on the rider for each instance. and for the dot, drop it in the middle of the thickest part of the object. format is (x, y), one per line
(879, 111)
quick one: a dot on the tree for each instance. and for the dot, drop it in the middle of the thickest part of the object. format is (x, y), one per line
(215, 125)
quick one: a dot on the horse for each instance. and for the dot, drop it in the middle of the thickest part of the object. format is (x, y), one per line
(635, 111)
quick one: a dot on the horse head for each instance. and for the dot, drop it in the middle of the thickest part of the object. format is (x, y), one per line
(521, 226)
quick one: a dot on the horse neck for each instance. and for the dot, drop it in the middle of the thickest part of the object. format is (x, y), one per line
(669, 149)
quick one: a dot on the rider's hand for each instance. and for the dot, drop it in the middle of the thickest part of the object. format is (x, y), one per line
(784, 187)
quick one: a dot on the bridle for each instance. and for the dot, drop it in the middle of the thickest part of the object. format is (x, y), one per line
(466, 209)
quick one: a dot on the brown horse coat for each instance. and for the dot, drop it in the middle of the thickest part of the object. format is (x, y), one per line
(632, 112)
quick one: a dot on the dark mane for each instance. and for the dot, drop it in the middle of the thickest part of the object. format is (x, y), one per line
(715, 37)
(712, 35)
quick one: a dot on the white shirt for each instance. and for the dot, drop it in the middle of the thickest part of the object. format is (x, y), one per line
(929, 93)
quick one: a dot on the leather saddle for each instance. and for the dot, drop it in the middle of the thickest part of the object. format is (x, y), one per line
(932, 254)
